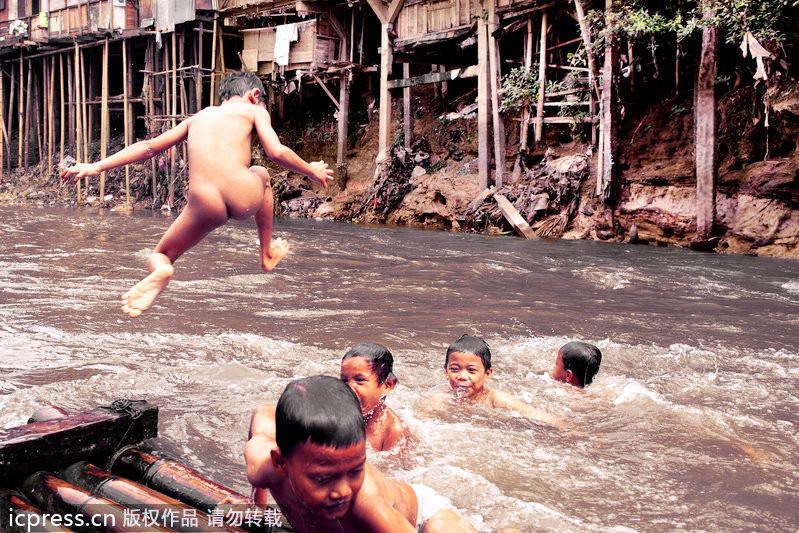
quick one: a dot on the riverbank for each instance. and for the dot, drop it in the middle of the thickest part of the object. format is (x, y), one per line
(435, 183)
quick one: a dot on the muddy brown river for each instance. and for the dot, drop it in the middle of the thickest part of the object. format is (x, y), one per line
(691, 423)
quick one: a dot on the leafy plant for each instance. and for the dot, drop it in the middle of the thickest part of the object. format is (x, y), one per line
(519, 88)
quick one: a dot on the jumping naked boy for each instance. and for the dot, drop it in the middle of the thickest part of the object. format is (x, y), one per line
(222, 184)
(310, 453)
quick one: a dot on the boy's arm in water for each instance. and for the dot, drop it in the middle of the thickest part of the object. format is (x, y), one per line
(258, 450)
(134, 153)
(285, 156)
(503, 400)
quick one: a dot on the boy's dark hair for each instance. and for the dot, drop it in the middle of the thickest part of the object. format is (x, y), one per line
(238, 83)
(469, 344)
(320, 408)
(382, 362)
(582, 359)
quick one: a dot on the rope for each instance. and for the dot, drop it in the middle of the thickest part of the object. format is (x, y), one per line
(124, 406)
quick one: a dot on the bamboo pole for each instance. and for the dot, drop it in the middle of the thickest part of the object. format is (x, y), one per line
(78, 118)
(149, 64)
(483, 104)
(173, 111)
(198, 79)
(12, 95)
(213, 64)
(542, 79)
(494, 73)
(126, 113)
(28, 114)
(50, 116)
(84, 111)
(104, 116)
(20, 111)
(407, 112)
(72, 128)
(61, 104)
(182, 42)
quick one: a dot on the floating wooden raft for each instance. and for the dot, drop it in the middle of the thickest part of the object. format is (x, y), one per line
(90, 472)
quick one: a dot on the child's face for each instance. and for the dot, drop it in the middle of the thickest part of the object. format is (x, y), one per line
(324, 478)
(466, 374)
(357, 372)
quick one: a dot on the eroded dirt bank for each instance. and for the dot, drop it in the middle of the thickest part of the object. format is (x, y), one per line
(435, 183)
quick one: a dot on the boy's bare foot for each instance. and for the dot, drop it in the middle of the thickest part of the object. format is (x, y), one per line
(141, 296)
(277, 251)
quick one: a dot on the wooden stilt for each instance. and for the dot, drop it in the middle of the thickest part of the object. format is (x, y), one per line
(705, 126)
(483, 103)
(50, 116)
(84, 110)
(198, 73)
(386, 59)
(609, 115)
(21, 109)
(78, 115)
(72, 127)
(173, 112)
(11, 101)
(104, 116)
(28, 115)
(542, 79)
(61, 104)
(183, 99)
(89, 83)
(524, 127)
(126, 113)
(495, 73)
(407, 112)
(213, 65)
(343, 122)
(149, 64)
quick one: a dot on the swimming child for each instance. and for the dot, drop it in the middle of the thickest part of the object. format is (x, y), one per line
(468, 368)
(310, 453)
(367, 369)
(222, 184)
(577, 363)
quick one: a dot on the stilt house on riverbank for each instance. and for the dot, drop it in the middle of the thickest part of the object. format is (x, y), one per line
(76, 73)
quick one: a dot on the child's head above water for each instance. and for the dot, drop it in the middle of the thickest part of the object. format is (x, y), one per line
(239, 83)
(577, 363)
(468, 366)
(319, 410)
(367, 369)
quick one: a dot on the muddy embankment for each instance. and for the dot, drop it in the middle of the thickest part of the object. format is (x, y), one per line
(436, 183)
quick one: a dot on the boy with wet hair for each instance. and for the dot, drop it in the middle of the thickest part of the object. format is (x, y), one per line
(310, 453)
(577, 363)
(468, 369)
(368, 369)
(222, 184)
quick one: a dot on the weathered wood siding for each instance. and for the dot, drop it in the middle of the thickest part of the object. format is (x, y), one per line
(315, 46)
(419, 17)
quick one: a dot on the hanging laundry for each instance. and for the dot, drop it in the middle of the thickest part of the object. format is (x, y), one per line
(284, 36)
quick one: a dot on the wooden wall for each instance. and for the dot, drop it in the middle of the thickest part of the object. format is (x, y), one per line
(316, 45)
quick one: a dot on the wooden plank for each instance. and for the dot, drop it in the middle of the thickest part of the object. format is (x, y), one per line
(54, 444)
(514, 218)
(386, 59)
(380, 10)
(434, 77)
(407, 112)
(327, 91)
(126, 112)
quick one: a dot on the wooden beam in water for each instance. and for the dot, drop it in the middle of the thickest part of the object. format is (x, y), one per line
(54, 444)
(512, 215)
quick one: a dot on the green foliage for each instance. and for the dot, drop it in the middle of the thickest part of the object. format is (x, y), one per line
(519, 88)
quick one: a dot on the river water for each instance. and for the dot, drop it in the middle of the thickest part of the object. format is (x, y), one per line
(691, 423)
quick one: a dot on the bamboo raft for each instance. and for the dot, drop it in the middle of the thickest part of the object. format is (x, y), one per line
(91, 472)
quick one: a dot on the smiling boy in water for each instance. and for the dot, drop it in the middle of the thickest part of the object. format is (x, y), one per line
(310, 453)
(367, 369)
(468, 368)
(222, 184)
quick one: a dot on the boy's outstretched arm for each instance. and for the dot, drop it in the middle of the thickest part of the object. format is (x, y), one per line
(503, 400)
(132, 154)
(285, 156)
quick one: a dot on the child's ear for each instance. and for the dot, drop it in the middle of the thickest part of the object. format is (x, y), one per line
(571, 378)
(390, 383)
(279, 462)
(254, 96)
(489, 372)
